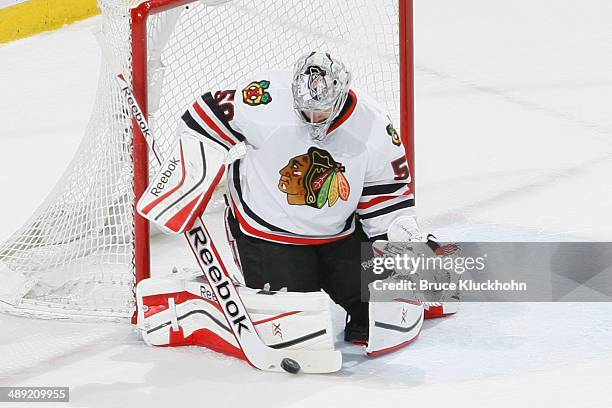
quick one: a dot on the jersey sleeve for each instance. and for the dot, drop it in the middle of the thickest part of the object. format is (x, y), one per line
(388, 191)
(212, 117)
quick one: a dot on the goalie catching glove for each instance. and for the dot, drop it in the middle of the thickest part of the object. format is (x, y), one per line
(401, 233)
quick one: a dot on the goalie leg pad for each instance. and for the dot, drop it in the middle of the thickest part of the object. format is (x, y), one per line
(176, 312)
(171, 315)
(393, 325)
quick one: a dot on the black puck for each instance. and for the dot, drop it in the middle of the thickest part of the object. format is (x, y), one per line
(290, 365)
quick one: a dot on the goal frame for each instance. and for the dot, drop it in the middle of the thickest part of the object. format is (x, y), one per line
(139, 17)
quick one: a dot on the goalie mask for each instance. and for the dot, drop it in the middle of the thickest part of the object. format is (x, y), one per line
(320, 88)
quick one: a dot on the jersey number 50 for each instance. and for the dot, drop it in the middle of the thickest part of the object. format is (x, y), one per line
(400, 168)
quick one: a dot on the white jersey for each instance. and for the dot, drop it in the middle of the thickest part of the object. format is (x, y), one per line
(289, 189)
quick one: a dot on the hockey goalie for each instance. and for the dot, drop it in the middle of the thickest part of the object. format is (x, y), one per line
(323, 170)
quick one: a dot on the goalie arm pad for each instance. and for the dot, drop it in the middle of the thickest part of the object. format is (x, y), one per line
(184, 184)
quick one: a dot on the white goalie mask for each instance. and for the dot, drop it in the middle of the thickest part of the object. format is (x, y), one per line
(320, 88)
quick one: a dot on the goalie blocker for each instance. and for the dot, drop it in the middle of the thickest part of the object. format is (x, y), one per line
(184, 184)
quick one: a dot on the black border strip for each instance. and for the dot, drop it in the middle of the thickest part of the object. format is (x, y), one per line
(383, 189)
(400, 329)
(204, 312)
(298, 340)
(398, 206)
(198, 184)
(345, 113)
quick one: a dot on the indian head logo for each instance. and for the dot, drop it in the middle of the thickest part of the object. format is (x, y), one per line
(255, 93)
(314, 179)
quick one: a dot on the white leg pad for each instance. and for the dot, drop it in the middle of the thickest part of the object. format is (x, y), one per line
(287, 320)
(393, 325)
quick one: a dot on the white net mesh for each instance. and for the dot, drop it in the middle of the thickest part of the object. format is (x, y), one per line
(75, 255)
(214, 47)
(76, 250)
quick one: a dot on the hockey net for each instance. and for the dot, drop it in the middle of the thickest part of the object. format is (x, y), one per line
(82, 251)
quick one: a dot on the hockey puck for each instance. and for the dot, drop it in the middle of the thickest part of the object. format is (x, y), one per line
(290, 365)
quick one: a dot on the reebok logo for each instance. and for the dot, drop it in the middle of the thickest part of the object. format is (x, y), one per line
(165, 177)
(223, 288)
(206, 293)
(135, 110)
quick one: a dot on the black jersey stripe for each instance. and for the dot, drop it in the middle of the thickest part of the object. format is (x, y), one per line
(195, 126)
(383, 189)
(401, 205)
(349, 223)
(236, 177)
(218, 112)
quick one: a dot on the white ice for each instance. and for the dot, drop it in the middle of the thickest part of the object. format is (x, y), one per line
(513, 143)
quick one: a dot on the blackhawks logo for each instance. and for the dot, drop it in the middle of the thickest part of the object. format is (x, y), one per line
(255, 93)
(395, 138)
(314, 179)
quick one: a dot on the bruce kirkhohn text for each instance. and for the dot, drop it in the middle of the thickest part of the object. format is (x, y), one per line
(413, 264)
(464, 285)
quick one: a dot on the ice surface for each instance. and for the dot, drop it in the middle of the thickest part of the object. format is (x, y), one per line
(514, 142)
